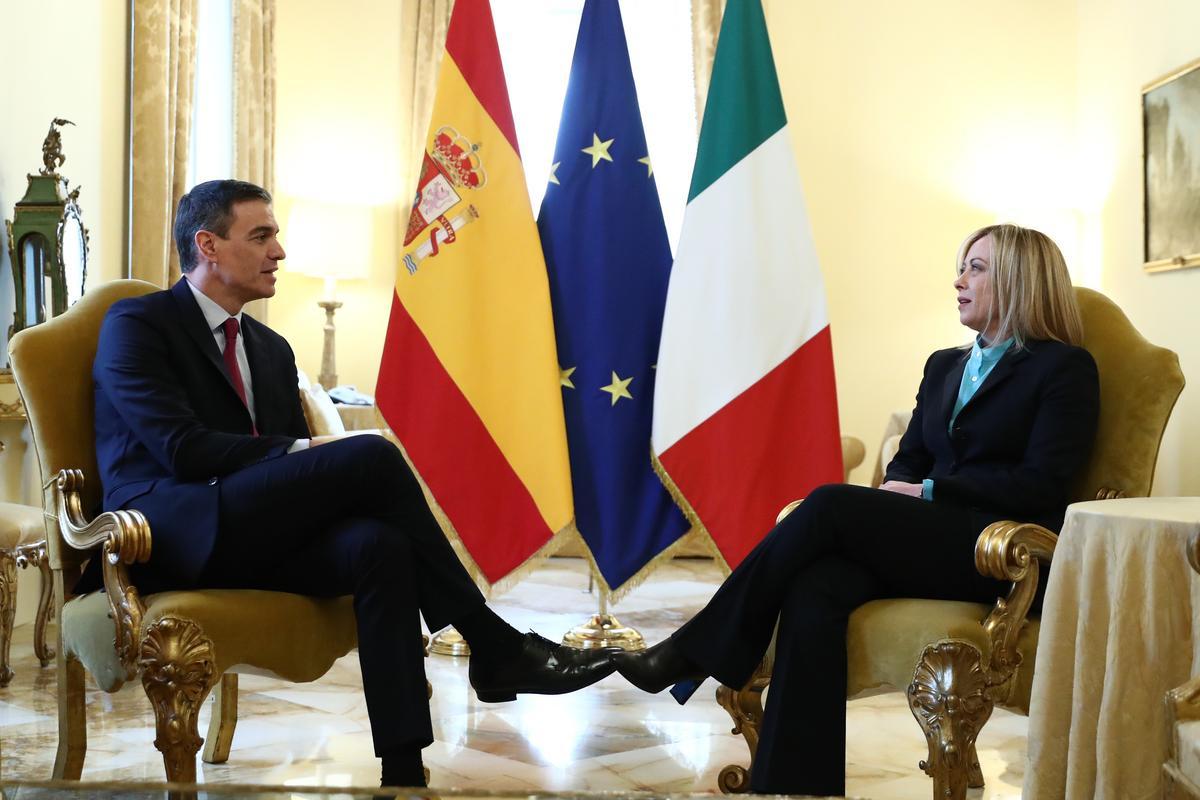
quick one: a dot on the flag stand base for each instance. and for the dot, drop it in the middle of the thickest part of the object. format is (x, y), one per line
(449, 642)
(604, 630)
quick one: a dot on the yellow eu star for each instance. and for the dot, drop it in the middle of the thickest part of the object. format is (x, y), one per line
(618, 388)
(598, 151)
(553, 169)
(564, 377)
(649, 166)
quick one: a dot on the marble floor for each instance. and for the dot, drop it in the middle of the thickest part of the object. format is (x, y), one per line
(609, 737)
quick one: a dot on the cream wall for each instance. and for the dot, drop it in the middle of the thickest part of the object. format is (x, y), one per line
(1122, 47)
(913, 124)
(337, 128)
(77, 72)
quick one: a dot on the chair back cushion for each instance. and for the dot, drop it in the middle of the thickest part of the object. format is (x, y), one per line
(1139, 384)
(52, 365)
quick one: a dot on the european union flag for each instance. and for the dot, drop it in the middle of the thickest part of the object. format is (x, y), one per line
(608, 258)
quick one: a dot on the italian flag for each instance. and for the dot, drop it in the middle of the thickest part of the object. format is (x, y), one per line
(745, 404)
(469, 380)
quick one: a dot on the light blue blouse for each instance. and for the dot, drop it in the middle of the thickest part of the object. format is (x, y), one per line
(979, 365)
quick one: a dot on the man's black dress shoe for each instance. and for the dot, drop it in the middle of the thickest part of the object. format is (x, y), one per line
(658, 667)
(539, 667)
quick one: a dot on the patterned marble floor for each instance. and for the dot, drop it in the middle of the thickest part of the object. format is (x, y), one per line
(610, 737)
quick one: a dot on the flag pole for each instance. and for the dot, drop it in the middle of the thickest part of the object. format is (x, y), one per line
(603, 630)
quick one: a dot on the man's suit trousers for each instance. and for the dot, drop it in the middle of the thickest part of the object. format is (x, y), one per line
(842, 547)
(349, 517)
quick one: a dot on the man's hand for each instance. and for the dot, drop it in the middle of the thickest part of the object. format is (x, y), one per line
(900, 487)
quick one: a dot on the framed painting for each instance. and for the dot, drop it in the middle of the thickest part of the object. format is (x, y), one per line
(1171, 170)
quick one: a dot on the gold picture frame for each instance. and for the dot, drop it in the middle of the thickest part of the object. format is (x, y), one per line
(1170, 162)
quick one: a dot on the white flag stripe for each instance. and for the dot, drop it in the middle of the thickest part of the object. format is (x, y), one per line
(745, 292)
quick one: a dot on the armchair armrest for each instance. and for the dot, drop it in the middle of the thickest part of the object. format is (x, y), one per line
(1014, 551)
(124, 538)
(1010, 551)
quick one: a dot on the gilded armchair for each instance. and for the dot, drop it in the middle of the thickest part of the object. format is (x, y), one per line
(181, 644)
(22, 544)
(969, 657)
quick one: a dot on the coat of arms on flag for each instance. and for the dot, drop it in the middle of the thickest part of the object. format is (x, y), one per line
(451, 165)
(469, 377)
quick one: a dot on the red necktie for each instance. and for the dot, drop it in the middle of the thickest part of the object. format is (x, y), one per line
(231, 332)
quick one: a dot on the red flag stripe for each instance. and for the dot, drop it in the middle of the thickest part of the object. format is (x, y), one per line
(775, 437)
(497, 519)
(471, 42)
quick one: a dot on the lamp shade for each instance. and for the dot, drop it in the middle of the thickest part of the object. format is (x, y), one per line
(329, 240)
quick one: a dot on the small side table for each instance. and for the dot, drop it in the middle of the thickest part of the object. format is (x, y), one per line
(1118, 630)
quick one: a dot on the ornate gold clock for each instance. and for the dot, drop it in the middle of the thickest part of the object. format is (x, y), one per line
(47, 241)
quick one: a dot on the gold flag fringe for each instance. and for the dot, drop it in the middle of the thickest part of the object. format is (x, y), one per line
(696, 535)
(489, 589)
(692, 536)
(704, 537)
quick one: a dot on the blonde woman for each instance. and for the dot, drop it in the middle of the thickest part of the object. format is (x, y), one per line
(1000, 430)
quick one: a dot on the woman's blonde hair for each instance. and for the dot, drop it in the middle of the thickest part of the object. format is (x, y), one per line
(1031, 289)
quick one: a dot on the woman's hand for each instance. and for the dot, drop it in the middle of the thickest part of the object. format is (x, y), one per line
(900, 487)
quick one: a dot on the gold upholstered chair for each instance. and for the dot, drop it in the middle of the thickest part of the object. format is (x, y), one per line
(22, 544)
(181, 644)
(959, 659)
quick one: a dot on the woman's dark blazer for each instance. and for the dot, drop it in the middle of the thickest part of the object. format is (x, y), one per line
(1018, 445)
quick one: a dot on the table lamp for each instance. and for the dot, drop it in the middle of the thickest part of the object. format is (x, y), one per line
(331, 241)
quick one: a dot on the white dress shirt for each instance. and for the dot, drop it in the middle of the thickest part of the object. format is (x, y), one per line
(214, 317)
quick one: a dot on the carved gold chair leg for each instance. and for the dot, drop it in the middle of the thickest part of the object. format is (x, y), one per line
(223, 721)
(8, 609)
(45, 609)
(72, 719)
(178, 671)
(974, 771)
(949, 698)
(745, 708)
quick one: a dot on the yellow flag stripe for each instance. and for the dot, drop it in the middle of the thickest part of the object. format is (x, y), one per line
(483, 303)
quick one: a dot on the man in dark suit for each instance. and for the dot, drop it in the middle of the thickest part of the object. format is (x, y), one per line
(199, 426)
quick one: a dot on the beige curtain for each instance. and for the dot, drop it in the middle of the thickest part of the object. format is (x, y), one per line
(254, 92)
(423, 25)
(254, 102)
(164, 64)
(706, 24)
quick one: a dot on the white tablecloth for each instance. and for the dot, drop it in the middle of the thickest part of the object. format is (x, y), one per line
(1118, 631)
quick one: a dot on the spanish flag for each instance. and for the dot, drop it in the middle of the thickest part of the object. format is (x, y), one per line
(469, 380)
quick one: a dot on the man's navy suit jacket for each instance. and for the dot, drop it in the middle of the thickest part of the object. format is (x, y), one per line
(1018, 445)
(170, 426)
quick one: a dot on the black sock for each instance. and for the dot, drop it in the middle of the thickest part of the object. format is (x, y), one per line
(488, 634)
(402, 767)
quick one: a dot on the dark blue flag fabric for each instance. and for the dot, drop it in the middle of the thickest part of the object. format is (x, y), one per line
(609, 259)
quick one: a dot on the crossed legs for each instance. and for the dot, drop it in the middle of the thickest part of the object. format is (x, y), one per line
(843, 546)
(349, 518)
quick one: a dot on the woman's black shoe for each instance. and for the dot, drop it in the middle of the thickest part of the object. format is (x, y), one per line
(539, 667)
(658, 667)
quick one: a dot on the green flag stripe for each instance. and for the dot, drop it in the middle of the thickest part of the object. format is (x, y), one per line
(744, 106)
